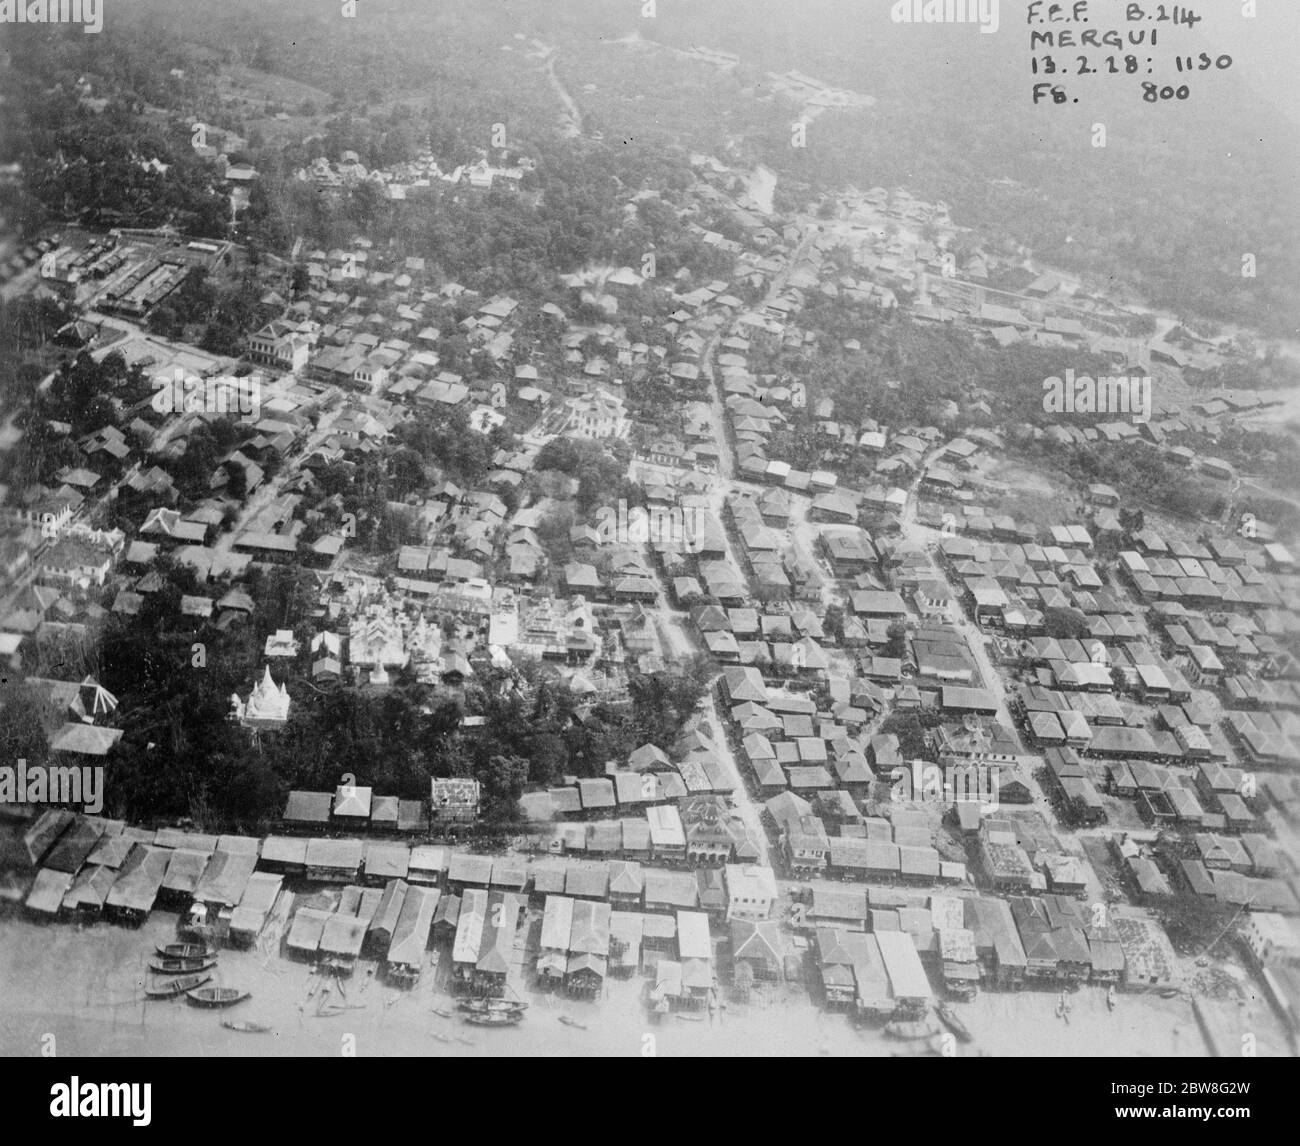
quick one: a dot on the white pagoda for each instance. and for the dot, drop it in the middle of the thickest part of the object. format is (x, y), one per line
(267, 705)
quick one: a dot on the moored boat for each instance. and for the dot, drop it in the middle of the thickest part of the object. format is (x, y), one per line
(493, 1018)
(568, 1021)
(171, 988)
(492, 1006)
(180, 966)
(185, 951)
(216, 996)
(245, 1026)
(1110, 996)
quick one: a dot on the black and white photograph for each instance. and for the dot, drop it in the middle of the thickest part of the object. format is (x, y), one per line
(654, 529)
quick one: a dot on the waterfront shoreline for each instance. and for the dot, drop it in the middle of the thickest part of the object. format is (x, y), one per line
(83, 985)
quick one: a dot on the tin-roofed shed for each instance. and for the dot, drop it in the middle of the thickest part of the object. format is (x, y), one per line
(45, 899)
(249, 916)
(334, 861)
(380, 932)
(305, 932)
(407, 952)
(386, 861)
(224, 879)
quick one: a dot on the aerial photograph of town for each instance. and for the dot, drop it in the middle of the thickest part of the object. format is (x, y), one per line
(649, 528)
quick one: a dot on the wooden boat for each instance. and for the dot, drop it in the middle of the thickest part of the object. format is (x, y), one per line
(248, 1028)
(488, 1001)
(572, 1022)
(185, 951)
(494, 1018)
(441, 1013)
(492, 1006)
(1110, 997)
(171, 988)
(180, 966)
(686, 1017)
(919, 1029)
(216, 996)
(950, 1019)
(441, 1038)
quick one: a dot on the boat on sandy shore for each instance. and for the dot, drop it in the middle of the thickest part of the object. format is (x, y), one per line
(163, 966)
(185, 951)
(493, 1018)
(492, 1006)
(172, 988)
(216, 996)
(569, 1021)
(246, 1027)
(1111, 997)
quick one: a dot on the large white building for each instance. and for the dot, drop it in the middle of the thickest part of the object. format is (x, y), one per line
(377, 641)
(598, 415)
(1272, 938)
(751, 891)
(284, 345)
